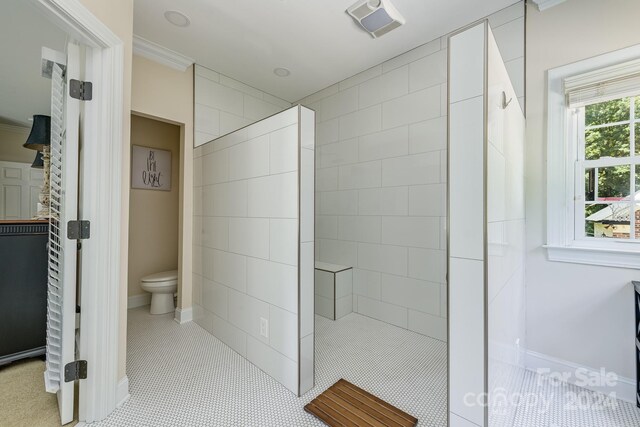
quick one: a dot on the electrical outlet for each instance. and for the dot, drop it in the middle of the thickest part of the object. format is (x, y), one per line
(264, 327)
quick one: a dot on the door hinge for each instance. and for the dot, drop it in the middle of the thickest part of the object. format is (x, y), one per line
(80, 90)
(76, 370)
(78, 230)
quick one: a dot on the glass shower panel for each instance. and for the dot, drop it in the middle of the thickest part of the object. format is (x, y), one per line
(505, 241)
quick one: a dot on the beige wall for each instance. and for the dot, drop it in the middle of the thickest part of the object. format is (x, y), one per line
(578, 313)
(153, 214)
(118, 16)
(167, 94)
(11, 140)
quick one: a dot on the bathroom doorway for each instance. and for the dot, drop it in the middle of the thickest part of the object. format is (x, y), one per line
(75, 26)
(154, 204)
(38, 193)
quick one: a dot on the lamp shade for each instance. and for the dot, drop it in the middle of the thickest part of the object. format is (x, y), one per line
(40, 133)
(38, 162)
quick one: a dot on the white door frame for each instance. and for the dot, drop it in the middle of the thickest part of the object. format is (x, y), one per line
(101, 204)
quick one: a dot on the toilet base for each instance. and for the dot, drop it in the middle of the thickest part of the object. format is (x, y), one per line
(161, 303)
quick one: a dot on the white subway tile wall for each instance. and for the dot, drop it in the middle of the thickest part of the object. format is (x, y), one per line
(223, 105)
(253, 242)
(381, 177)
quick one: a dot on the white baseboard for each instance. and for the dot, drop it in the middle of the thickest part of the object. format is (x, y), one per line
(141, 300)
(184, 315)
(122, 394)
(624, 388)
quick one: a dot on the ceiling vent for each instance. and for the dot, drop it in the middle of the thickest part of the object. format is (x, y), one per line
(377, 17)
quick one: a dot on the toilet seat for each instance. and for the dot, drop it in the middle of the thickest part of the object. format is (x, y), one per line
(163, 276)
(159, 284)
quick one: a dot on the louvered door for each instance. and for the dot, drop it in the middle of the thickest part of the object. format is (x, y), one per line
(62, 278)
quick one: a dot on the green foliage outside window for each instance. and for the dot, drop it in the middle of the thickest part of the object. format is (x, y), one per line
(606, 135)
(610, 141)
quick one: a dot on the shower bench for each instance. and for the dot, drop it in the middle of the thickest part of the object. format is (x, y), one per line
(333, 290)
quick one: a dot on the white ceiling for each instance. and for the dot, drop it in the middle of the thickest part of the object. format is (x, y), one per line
(23, 91)
(244, 39)
(315, 39)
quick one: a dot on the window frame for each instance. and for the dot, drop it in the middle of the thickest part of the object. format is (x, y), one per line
(578, 132)
(562, 180)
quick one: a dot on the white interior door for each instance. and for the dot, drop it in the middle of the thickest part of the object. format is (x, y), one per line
(62, 284)
(19, 188)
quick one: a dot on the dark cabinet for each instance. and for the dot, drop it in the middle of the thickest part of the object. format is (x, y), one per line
(23, 289)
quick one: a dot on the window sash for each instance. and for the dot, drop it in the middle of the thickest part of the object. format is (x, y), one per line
(607, 162)
(582, 165)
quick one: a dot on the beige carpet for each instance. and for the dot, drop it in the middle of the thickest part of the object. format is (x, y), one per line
(23, 400)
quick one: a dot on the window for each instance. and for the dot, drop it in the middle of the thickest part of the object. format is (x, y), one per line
(607, 138)
(593, 161)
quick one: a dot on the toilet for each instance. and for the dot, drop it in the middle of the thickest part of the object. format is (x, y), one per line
(162, 287)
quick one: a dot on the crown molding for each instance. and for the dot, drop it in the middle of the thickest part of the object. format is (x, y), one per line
(14, 128)
(546, 4)
(160, 54)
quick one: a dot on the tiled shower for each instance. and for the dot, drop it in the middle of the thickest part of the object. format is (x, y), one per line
(381, 186)
(380, 182)
(381, 178)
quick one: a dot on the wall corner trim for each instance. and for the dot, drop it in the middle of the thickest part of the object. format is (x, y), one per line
(184, 315)
(546, 4)
(160, 54)
(123, 391)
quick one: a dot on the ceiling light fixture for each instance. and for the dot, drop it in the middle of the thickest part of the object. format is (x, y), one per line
(178, 19)
(377, 17)
(281, 72)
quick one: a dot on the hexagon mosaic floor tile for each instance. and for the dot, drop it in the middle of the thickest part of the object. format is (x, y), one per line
(180, 375)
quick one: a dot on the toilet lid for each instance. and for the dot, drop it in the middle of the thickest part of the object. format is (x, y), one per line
(163, 276)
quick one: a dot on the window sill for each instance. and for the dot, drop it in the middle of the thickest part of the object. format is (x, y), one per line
(601, 256)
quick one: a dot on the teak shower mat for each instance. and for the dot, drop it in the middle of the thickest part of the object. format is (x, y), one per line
(344, 404)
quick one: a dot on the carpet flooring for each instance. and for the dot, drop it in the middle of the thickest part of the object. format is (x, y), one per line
(23, 399)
